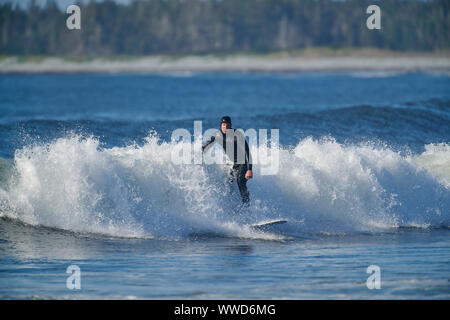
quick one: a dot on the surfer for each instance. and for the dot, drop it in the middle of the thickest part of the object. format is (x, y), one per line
(236, 148)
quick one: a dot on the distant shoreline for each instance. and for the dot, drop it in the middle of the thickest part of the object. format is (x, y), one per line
(309, 60)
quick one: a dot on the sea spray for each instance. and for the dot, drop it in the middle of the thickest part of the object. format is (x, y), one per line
(322, 186)
(436, 159)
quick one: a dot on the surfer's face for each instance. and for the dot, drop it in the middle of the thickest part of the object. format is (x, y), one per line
(224, 126)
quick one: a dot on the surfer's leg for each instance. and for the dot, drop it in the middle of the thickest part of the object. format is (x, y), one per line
(242, 184)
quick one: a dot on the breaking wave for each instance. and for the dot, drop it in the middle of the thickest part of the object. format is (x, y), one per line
(322, 186)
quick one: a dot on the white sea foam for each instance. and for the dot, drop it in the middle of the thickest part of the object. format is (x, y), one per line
(436, 159)
(75, 184)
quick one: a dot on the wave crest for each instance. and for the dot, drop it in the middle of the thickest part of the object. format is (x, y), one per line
(322, 186)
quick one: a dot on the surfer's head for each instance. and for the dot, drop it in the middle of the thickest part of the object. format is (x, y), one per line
(225, 123)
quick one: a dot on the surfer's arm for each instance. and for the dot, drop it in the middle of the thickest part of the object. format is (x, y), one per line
(209, 143)
(248, 162)
(248, 157)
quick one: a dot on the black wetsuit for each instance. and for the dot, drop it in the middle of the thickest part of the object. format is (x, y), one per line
(239, 153)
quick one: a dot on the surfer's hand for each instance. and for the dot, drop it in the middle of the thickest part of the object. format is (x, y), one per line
(248, 174)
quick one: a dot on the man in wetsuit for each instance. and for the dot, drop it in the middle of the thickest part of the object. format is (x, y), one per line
(236, 148)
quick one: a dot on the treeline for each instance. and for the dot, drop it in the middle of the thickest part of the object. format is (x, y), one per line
(222, 26)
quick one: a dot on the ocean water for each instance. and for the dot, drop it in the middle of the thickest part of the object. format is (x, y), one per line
(363, 179)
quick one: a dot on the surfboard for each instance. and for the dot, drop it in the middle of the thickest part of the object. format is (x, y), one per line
(267, 224)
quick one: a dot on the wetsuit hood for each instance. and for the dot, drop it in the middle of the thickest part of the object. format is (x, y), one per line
(225, 119)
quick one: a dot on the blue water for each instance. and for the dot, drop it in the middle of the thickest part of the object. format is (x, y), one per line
(364, 179)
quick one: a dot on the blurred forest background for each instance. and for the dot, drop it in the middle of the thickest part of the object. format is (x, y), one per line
(144, 27)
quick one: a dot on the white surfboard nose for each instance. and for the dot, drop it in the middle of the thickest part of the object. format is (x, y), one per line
(267, 224)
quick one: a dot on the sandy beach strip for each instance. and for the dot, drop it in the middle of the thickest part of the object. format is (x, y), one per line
(308, 62)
